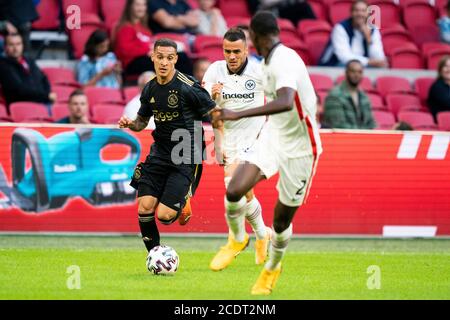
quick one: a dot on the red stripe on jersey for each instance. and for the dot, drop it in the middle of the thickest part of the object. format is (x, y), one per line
(311, 137)
(314, 147)
(298, 104)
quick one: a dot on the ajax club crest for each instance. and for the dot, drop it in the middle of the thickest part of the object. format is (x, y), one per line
(172, 100)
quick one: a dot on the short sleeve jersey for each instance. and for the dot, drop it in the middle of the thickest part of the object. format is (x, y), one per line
(242, 90)
(181, 7)
(177, 108)
(297, 129)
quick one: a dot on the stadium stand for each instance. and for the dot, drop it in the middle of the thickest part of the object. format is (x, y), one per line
(422, 86)
(395, 101)
(97, 95)
(391, 84)
(59, 111)
(49, 15)
(384, 119)
(237, 8)
(443, 120)
(61, 77)
(29, 112)
(418, 120)
(130, 92)
(106, 113)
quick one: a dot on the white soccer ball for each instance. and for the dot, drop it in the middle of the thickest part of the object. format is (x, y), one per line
(163, 260)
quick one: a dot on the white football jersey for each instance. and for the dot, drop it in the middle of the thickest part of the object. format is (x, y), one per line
(240, 91)
(296, 131)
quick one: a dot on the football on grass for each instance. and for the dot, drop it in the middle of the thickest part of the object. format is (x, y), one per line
(162, 260)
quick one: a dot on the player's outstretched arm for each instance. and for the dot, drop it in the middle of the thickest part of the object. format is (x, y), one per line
(284, 102)
(135, 125)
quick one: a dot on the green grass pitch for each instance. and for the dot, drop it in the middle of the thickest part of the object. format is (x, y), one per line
(35, 267)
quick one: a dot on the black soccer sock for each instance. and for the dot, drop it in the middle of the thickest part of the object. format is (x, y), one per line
(149, 230)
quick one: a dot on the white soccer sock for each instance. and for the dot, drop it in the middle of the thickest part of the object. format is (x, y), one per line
(236, 218)
(253, 214)
(278, 247)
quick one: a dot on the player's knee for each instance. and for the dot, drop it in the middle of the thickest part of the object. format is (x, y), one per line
(167, 217)
(280, 226)
(145, 206)
(234, 193)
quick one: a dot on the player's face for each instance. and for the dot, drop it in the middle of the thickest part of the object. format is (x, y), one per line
(164, 59)
(235, 53)
(78, 106)
(14, 47)
(255, 41)
(354, 74)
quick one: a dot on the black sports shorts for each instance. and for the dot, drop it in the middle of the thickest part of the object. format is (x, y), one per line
(171, 184)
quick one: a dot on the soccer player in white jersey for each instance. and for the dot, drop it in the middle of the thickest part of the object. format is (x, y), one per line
(236, 84)
(289, 143)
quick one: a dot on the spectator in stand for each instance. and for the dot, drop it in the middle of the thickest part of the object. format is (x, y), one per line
(98, 66)
(347, 106)
(444, 25)
(174, 16)
(132, 39)
(132, 107)
(293, 10)
(439, 94)
(78, 108)
(20, 77)
(353, 39)
(200, 67)
(212, 21)
(17, 16)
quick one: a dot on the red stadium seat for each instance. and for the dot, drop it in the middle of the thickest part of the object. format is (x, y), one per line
(287, 28)
(112, 11)
(395, 101)
(434, 56)
(406, 58)
(29, 112)
(321, 82)
(213, 54)
(48, 11)
(59, 111)
(425, 33)
(61, 76)
(392, 84)
(441, 7)
(418, 120)
(315, 46)
(302, 51)
(418, 14)
(233, 21)
(106, 113)
(130, 92)
(79, 37)
(234, 8)
(429, 46)
(310, 28)
(385, 120)
(340, 10)
(62, 93)
(204, 41)
(98, 95)
(396, 38)
(193, 4)
(4, 117)
(422, 87)
(376, 102)
(390, 13)
(366, 83)
(443, 120)
(320, 9)
(86, 6)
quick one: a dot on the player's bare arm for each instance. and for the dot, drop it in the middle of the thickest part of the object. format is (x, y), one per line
(283, 102)
(135, 125)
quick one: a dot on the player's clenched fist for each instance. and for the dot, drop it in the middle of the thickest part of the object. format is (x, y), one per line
(216, 90)
(124, 122)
